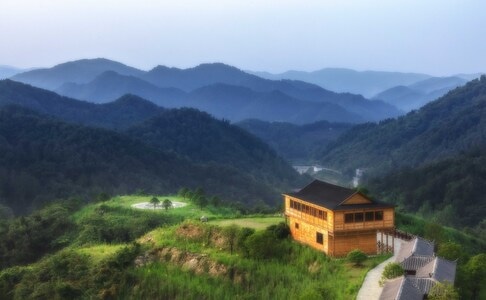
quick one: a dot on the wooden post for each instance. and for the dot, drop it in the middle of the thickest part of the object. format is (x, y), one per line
(393, 244)
(386, 236)
(381, 244)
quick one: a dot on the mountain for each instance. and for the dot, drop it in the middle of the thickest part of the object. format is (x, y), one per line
(450, 191)
(43, 159)
(121, 113)
(79, 71)
(366, 83)
(440, 129)
(201, 138)
(237, 103)
(110, 85)
(8, 71)
(296, 143)
(418, 94)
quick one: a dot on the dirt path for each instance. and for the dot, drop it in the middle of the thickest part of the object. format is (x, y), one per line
(371, 290)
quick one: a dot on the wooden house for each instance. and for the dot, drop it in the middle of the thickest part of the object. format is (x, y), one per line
(337, 220)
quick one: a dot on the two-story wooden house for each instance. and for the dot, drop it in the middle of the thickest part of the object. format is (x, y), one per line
(337, 220)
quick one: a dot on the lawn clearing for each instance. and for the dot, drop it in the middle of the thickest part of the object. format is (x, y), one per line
(258, 223)
(148, 205)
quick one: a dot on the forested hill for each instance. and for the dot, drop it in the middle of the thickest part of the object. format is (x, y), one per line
(42, 159)
(121, 113)
(455, 122)
(201, 138)
(297, 143)
(450, 191)
(186, 132)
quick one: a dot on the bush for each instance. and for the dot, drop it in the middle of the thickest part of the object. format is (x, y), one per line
(357, 257)
(392, 270)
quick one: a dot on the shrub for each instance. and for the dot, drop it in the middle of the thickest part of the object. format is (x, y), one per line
(357, 257)
(392, 270)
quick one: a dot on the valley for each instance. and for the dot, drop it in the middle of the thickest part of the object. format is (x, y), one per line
(117, 171)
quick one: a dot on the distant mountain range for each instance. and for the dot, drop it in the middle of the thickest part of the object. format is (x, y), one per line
(222, 90)
(366, 83)
(174, 148)
(405, 90)
(7, 71)
(420, 93)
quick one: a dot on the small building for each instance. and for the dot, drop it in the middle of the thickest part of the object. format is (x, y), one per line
(422, 271)
(336, 219)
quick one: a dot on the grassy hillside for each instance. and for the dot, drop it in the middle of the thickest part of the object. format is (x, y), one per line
(174, 257)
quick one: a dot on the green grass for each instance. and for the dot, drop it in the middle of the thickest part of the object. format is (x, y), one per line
(99, 252)
(105, 229)
(257, 223)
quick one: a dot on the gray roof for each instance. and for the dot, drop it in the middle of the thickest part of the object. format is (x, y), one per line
(438, 269)
(415, 247)
(332, 196)
(421, 284)
(413, 263)
(400, 288)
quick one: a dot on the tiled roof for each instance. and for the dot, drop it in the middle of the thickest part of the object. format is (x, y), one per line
(438, 269)
(415, 247)
(400, 289)
(421, 284)
(413, 263)
(331, 196)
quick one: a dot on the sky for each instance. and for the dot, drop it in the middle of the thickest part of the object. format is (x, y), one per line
(438, 37)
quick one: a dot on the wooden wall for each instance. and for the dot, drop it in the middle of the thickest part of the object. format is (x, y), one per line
(306, 233)
(341, 245)
(339, 237)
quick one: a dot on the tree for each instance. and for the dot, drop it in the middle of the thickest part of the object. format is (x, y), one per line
(231, 235)
(451, 251)
(183, 192)
(443, 291)
(167, 204)
(357, 257)
(391, 270)
(215, 201)
(475, 270)
(155, 201)
(102, 197)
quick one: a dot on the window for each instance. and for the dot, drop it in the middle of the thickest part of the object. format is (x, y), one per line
(348, 218)
(358, 217)
(291, 204)
(319, 238)
(296, 225)
(369, 216)
(379, 215)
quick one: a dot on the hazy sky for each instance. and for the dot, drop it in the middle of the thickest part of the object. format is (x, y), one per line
(433, 36)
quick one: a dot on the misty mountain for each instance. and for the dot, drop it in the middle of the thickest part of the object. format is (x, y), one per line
(110, 85)
(239, 103)
(79, 71)
(7, 71)
(161, 85)
(439, 130)
(366, 83)
(296, 143)
(418, 94)
(44, 159)
(123, 112)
